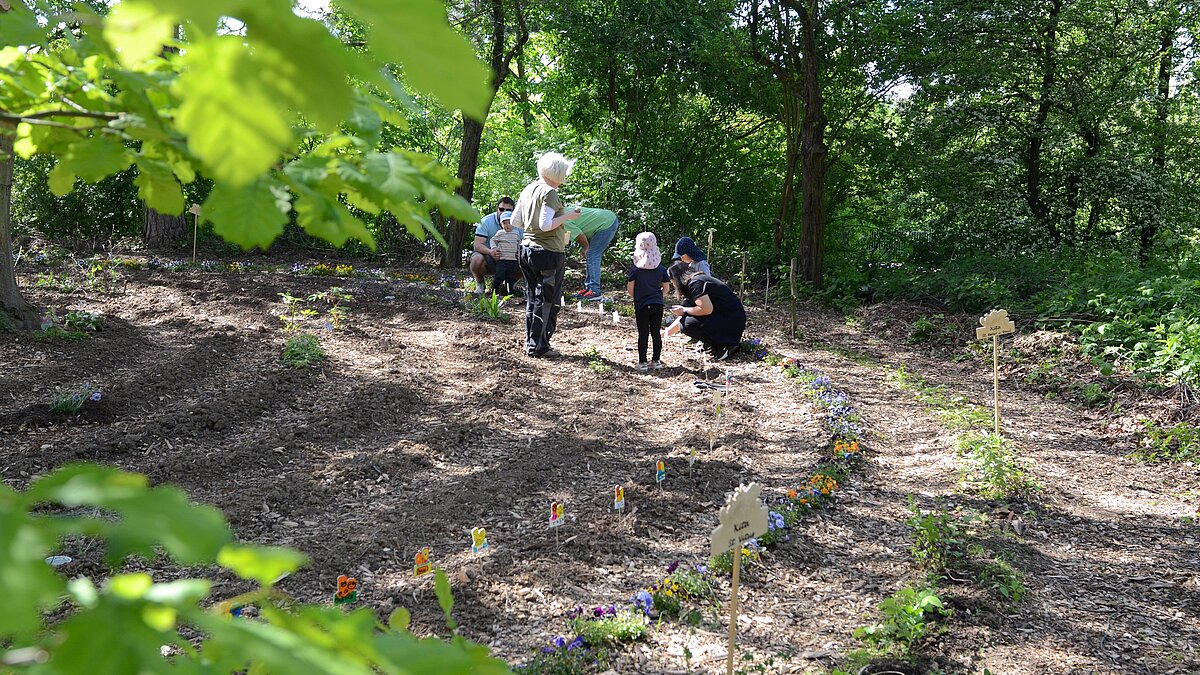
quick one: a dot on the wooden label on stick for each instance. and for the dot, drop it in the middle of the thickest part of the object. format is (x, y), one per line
(557, 514)
(742, 517)
(995, 322)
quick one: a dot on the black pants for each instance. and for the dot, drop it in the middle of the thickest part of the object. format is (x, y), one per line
(649, 322)
(506, 277)
(543, 273)
(716, 332)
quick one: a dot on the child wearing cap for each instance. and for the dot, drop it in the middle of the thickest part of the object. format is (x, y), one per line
(687, 251)
(648, 285)
(507, 239)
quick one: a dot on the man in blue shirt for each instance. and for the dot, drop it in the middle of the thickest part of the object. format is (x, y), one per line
(484, 257)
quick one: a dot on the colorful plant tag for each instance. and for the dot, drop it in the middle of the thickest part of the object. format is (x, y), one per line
(660, 471)
(421, 564)
(479, 542)
(619, 500)
(347, 590)
(557, 514)
(692, 458)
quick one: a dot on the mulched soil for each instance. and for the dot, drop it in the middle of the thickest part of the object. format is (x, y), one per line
(426, 422)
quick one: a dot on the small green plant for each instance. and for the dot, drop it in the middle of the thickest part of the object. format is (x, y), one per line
(80, 320)
(336, 300)
(1043, 374)
(491, 307)
(954, 411)
(990, 467)
(937, 539)
(294, 312)
(1093, 395)
(565, 658)
(595, 362)
(68, 401)
(1173, 443)
(923, 329)
(905, 620)
(61, 283)
(999, 576)
(302, 351)
(625, 625)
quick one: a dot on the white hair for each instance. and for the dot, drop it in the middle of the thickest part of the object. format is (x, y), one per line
(554, 167)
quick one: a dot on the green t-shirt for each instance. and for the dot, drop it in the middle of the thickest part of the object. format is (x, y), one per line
(528, 214)
(590, 221)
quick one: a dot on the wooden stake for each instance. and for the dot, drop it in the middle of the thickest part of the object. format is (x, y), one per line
(767, 293)
(709, 251)
(996, 378)
(743, 276)
(733, 609)
(792, 281)
(195, 211)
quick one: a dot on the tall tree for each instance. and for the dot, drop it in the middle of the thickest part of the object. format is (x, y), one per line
(501, 51)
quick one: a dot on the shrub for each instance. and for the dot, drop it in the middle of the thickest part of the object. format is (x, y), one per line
(1002, 578)
(1177, 443)
(937, 539)
(302, 351)
(991, 468)
(491, 307)
(80, 320)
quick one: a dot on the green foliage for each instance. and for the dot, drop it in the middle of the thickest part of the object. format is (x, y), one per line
(302, 351)
(54, 333)
(308, 134)
(999, 576)
(294, 312)
(932, 328)
(938, 539)
(906, 618)
(67, 401)
(627, 625)
(1174, 443)
(81, 320)
(335, 301)
(1093, 394)
(491, 307)
(595, 362)
(121, 625)
(991, 468)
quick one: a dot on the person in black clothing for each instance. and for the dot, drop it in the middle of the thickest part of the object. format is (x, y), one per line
(648, 286)
(710, 311)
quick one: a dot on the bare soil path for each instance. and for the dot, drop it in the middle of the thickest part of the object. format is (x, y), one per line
(425, 422)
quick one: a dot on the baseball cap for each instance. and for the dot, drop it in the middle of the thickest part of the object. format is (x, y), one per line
(505, 215)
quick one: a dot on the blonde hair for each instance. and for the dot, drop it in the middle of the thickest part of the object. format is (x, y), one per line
(554, 167)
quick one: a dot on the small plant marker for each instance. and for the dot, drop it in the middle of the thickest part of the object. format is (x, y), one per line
(717, 396)
(619, 500)
(195, 211)
(479, 542)
(691, 458)
(600, 307)
(347, 590)
(421, 564)
(660, 472)
(579, 305)
(994, 324)
(616, 318)
(557, 513)
(742, 517)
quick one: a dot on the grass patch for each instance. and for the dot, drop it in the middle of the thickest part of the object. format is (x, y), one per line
(56, 334)
(302, 351)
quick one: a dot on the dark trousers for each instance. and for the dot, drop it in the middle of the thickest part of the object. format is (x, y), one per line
(506, 277)
(543, 273)
(649, 321)
(715, 332)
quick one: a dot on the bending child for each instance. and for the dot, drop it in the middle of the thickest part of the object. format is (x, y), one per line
(647, 286)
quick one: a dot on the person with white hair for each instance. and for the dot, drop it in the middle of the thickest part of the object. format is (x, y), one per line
(542, 259)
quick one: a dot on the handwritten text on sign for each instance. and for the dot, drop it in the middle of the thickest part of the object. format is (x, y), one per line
(995, 322)
(742, 517)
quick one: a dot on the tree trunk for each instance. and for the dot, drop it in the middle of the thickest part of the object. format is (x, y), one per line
(1151, 222)
(10, 296)
(814, 152)
(468, 163)
(1037, 134)
(785, 216)
(161, 231)
(468, 158)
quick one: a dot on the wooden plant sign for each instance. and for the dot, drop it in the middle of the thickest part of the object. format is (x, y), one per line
(742, 518)
(992, 325)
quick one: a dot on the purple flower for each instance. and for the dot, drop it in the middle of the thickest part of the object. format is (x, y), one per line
(560, 641)
(672, 567)
(577, 643)
(702, 569)
(95, 396)
(643, 601)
